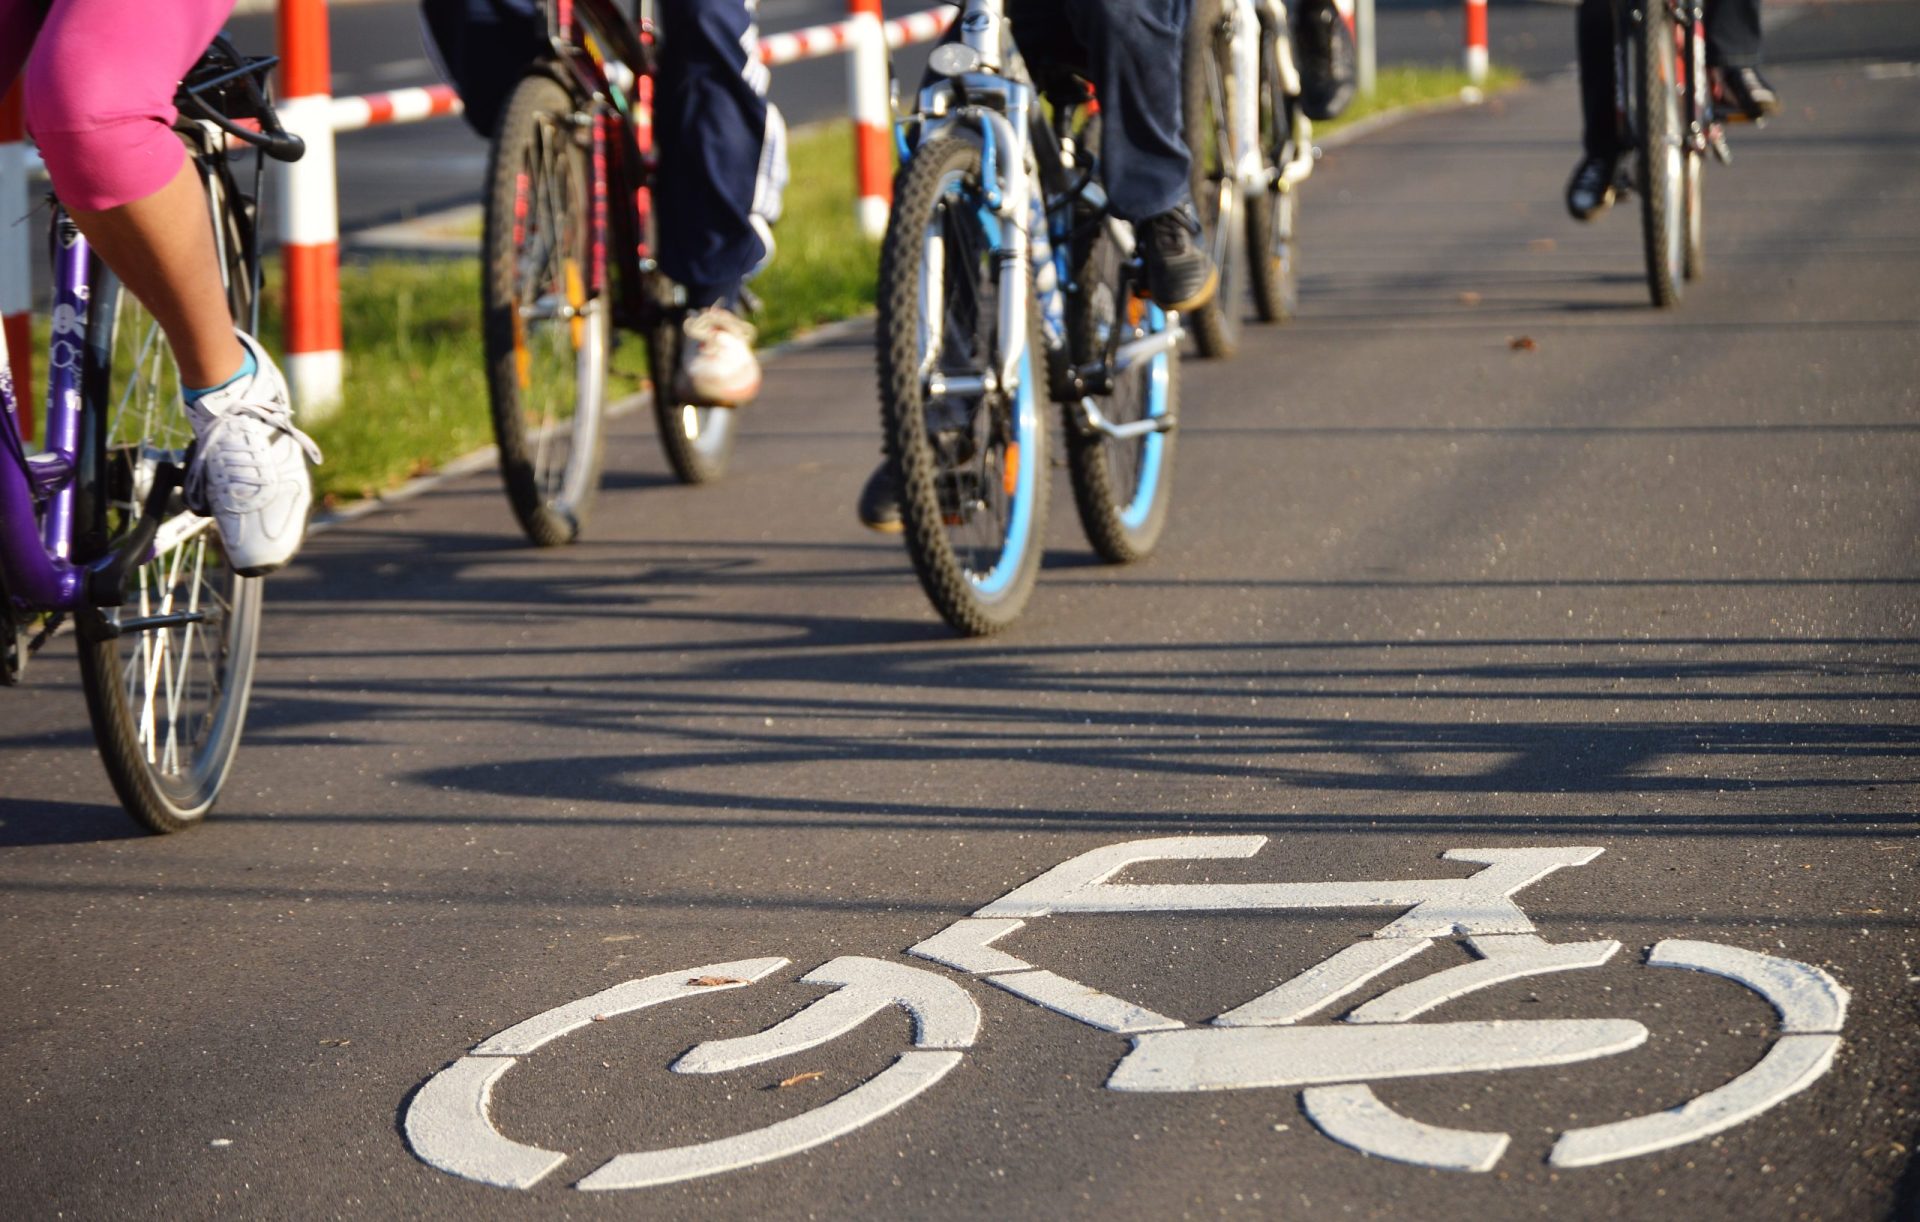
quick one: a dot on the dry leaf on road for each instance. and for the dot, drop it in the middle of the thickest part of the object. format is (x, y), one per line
(800, 1078)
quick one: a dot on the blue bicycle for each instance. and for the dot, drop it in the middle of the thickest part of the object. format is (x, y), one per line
(93, 527)
(1006, 283)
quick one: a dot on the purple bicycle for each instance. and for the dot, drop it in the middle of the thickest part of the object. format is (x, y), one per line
(93, 528)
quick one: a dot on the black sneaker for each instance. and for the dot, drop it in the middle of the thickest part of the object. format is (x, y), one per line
(880, 501)
(1180, 275)
(1745, 94)
(1329, 68)
(1591, 190)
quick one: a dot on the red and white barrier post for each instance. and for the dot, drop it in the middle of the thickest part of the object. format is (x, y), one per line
(16, 267)
(309, 216)
(872, 115)
(1476, 54)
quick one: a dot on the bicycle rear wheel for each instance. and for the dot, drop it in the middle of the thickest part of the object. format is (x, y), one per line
(1273, 265)
(1206, 76)
(698, 439)
(548, 314)
(971, 462)
(1122, 486)
(1662, 153)
(168, 678)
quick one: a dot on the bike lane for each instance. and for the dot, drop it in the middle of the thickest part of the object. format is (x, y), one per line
(1645, 587)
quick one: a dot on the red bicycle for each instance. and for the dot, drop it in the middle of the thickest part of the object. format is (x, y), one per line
(569, 260)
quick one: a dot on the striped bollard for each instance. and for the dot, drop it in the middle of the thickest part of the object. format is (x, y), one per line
(309, 215)
(1476, 56)
(16, 266)
(872, 115)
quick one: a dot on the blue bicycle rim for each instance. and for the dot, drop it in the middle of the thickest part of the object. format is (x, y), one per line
(1026, 428)
(1138, 509)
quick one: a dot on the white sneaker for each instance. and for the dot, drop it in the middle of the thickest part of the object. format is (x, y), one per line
(719, 367)
(249, 470)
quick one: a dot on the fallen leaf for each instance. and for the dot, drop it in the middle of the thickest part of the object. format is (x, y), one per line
(1542, 244)
(1469, 298)
(1522, 343)
(799, 1078)
(599, 1018)
(710, 982)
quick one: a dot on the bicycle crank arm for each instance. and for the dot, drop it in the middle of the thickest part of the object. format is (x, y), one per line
(1242, 1058)
(107, 578)
(1093, 420)
(1146, 348)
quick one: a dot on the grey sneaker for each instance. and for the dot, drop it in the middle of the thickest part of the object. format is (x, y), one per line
(1180, 275)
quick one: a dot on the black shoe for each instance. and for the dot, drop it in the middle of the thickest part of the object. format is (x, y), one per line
(1180, 275)
(1328, 64)
(1744, 93)
(1591, 191)
(880, 501)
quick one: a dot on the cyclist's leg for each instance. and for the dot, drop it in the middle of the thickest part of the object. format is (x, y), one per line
(1733, 47)
(1590, 191)
(100, 86)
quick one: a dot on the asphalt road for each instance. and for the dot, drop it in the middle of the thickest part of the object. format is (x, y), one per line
(1646, 585)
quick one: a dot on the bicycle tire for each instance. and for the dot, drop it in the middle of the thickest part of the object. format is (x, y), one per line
(540, 310)
(973, 596)
(167, 704)
(1122, 488)
(1662, 159)
(1694, 256)
(698, 439)
(1206, 82)
(1273, 262)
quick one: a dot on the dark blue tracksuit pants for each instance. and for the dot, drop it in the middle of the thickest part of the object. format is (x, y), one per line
(710, 115)
(1130, 49)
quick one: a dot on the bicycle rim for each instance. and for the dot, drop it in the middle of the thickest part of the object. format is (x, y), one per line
(1272, 264)
(1216, 191)
(168, 694)
(549, 326)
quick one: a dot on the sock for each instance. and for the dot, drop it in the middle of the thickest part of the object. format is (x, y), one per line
(248, 367)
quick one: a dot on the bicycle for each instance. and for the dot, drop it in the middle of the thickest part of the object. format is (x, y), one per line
(1004, 280)
(1252, 149)
(568, 241)
(1668, 119)
(1265, 1043)
(94, 527)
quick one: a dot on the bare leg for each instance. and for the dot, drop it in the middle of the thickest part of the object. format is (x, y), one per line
(162, 248)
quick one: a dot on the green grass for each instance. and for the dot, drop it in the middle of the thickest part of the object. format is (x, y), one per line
(416, 391)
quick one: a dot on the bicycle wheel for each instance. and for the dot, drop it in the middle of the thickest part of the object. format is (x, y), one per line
(1122, 486)
(167, 681)
(971, 460)
(1695, 256)
(698, 439)
(548, 327)
(1207, 82)
(1662, 156)
(1273, 269)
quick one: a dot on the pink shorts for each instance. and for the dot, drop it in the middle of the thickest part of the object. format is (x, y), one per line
(100, 79)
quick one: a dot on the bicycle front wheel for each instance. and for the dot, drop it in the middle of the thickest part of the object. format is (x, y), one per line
(548, 315)
(167, 676)
(1273, 263)
(1662, 153)
(1208, 82)
(970, 454)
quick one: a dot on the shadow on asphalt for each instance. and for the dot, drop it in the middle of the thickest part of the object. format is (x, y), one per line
(36, 822)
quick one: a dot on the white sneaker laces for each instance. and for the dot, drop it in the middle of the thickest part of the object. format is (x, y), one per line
(229, 435)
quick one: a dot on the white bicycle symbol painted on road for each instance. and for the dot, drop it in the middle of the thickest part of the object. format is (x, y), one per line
(1258, 1044)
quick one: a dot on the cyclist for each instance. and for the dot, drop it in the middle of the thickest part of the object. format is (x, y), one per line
(1733, 52)
(722, 157)
(100, 80)
(1132, 51)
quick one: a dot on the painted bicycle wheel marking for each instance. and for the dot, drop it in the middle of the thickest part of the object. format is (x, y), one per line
(1263, 1044)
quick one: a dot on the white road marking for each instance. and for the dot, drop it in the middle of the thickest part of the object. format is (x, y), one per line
(1237, 1058)
(1324, 983)
(448, 1128)
(1353, 1115)
(1794, 1063)
(1504, 957)
(1083, 1002)
(1436, 908)
(914, 1072)
(1807, 998)
(966, 945)
(944, 1015)
(522, 1038)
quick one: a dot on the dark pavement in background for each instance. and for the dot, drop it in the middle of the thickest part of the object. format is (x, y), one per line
(1647, 585)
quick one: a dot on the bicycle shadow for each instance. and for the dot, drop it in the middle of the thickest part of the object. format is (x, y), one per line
(26, 823)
